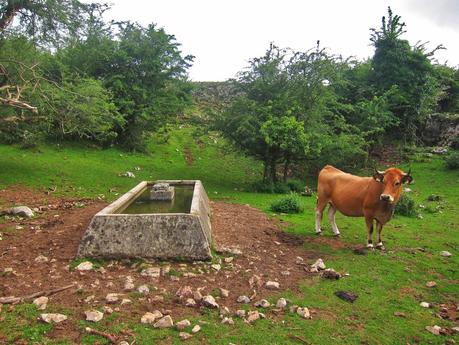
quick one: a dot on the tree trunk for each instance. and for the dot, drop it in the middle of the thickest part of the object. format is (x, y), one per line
(10, 11)
(273, 170)
(286, 166)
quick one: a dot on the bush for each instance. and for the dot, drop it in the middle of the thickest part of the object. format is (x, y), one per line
(288, 204)
(406, 206)
(295, 186)
(452, 161)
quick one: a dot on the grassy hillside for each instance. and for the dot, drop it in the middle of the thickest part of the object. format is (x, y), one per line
(388, 283)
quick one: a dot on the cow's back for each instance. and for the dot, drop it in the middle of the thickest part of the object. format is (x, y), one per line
(345, 191)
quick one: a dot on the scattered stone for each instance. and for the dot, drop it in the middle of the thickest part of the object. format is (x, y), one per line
(152, 272)
(129, 284)
(181, 325)
(50, 318)
(209, 301)
(216, 267)
(185, 335)
(431, 284)
(230, 250)
(253, 316)
(224, 293)
(243, 299)
(227, 321)
(184, 292)
(85, 266)
(263, 304)
(165, 269)
(240, 313)
(224, 311)
(455, 330)
(21, 211)
(196, 329)
(435, 330)
(125, 301)
(228, 259)
(281, 303)
(41, 302)
(293, 308)
(107, 309)
(399, 314)
(347, 296)
(128, 174)
(272, 285)
(143, 289)
(157, 298)
(41, 259)
(197, 296)
(150, 318)
(123, 342)
(112, 297)
(164, 322)
(445, 254)
(285, 273)
(330, 273)
(93, 315)
(319, 265)
(299, 260)
(303, 312)
(255, 280)
(190, 302)
(425, 304)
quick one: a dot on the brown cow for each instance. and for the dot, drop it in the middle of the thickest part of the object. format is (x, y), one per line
(371, 197)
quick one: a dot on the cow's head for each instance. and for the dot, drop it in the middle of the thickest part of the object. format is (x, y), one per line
(392, 179)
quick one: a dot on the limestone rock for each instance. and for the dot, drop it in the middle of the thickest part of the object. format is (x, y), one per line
(41, 302)
(196, 329)
(445, 254)
(143, 289)
(227, 321)
(431, 284)
(129, 284)
(224, 293)
(319, 265)
(41, 259)
(181, 325)
(253, 316)
(243, 299)
(216, 267)
(185, 335)
(125, 301)
(152, 272)
(22, 211)
(435, 330)
(281, 303)
(197, 296)
(164, 322)
(107, 309)
(93, 315)
(184, 292)
(149, 318)
(240, 313)
(425, 304)
(263, 304)
(53, 318)
(304, 313)
(85, 266)
(272, 285)
(209, 301)
(190, 302)
(112, 297)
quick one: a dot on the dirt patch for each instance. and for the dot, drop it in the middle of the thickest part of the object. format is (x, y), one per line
(188, 156)
(57, 230)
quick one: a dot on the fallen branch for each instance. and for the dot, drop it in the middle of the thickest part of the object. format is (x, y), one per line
(108, 336)
(15, 300)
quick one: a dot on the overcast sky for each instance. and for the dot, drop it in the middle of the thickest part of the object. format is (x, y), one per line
(224, 35)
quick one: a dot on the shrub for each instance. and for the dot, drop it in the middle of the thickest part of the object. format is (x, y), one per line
(452, 161)
(295, 186)
(406, 206)
(288, 204)
(281, 188)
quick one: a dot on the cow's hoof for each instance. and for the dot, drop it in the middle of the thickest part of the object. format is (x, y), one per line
(370, 246)
(337, 235)
(380, 246)
(319, 233)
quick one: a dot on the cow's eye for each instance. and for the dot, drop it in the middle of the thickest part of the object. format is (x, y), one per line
(397, 183)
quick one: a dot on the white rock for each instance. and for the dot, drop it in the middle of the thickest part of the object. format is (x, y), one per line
(150, 318)
(85, 266)
(190, 302)
(89, 298)
(216, 267)
(144, 289)
(240, 313)
(107, 309)
(435, 330)
(185, 335)
(129, 284)
(41, 259)
(227, 321)
(431, 284)
(455, 330)
(196, 329)
(197, 296)
(224, 293)
(243, 299)
(164, 322)
(285, 273)
(93, 315)
(22, 211)
(299, 260)
(153, 272)
(129, 174)
(262, 304)
(228, 259)
(319, 265)
(253, 316)
(125, 301)
(445, 254)
(281, 303)
(50, 318)
(304, 313)
(209, 301)
(184, 292)
(41, 302)
(425, 304)
(112, 297)
(182, 324)
(272, 285)
(123, 342)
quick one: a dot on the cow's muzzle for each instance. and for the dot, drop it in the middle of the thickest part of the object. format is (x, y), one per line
(387, 197)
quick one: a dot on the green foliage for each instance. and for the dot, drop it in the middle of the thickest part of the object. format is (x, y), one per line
(406, 206)
(452, 161)
(291, 203)
(296, 186)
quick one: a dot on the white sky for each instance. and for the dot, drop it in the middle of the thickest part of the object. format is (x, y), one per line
(224, 35)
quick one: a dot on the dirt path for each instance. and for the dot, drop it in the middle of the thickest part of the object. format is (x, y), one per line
(55, 234)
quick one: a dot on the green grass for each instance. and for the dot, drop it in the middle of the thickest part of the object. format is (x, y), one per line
(386, 282)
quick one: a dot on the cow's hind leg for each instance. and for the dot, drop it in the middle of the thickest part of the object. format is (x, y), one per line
(369, 222)
(331, 218)
(321, 204)
(379, 244)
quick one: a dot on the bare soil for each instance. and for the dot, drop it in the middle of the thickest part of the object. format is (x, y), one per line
(59, 225)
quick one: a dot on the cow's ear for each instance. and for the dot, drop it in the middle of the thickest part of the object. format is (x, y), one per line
(407, 178)
(378, 175)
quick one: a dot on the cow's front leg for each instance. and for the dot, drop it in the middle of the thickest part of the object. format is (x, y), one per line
(379, 244)
(369, 222)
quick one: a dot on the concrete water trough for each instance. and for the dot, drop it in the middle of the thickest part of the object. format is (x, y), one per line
(139, 226)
